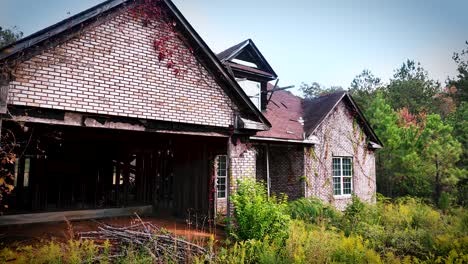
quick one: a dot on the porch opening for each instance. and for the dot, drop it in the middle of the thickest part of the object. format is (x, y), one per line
(79, 168)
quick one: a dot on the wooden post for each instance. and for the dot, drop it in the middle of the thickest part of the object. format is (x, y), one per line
(268, 168)
(4, 84)
(3, 99)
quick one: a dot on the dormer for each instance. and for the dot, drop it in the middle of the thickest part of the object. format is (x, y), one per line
(251, 70)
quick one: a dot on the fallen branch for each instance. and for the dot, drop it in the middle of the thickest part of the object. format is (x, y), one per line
(159, 244)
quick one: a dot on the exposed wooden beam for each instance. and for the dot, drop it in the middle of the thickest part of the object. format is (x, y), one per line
(66, 118)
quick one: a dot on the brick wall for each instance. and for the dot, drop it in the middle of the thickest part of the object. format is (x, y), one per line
(286, 170)
(339, 135)
(242, 161)
(113, 69)
(286, 164)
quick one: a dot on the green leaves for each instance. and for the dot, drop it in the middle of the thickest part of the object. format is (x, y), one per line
(8, 36)
(420, 154)
(258, 215)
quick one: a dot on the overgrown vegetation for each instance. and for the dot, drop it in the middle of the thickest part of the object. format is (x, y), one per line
(406, 230)
(256, 214)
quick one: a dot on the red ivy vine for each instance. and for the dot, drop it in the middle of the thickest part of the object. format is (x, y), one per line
(153, 13)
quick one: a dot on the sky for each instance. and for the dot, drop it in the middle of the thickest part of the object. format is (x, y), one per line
(324, 41)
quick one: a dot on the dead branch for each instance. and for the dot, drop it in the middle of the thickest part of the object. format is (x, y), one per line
(159, 244)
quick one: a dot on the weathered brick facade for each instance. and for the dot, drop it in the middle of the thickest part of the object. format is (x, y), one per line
(242, 163)
(286, 163)
(340, 135)
(112, 68)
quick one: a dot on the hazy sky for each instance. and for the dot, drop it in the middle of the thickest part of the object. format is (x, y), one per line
(326, 41)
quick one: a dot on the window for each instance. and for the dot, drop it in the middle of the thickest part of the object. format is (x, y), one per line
(221, 176)
(342, 176)
(252, 89)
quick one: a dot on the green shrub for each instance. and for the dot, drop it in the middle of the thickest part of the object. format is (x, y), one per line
(256, 214)
(306, 243)
(444, 201)
(407, 227)
(313, 210)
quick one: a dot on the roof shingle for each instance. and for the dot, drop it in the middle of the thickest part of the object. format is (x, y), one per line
(284, 111)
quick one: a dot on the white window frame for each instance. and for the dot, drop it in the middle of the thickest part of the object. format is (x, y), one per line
(341, 177)
(225, 177)
(255, 98)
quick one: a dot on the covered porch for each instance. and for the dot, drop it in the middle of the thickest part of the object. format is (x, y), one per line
(88, 170)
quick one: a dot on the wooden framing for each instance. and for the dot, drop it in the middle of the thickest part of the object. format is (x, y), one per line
(78, 168)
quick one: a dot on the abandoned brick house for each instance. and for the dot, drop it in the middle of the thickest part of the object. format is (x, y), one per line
(124, 108)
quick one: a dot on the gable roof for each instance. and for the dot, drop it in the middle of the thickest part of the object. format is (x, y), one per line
(233, 52)
(77, 21)
(316, 110)
(284, 110)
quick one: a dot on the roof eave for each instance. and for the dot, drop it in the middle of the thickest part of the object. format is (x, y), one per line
(364, 120)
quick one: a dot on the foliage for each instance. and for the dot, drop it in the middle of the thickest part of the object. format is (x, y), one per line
(7, 161)
(404, 231)
(408, 227)
(8, 36)
(306, 244)
(256, 214)
(420, 154)
(363, 87)
(423, 128)
(412, 88)
(74, 251)
(461, 81)
(313, 210)
(315, 89)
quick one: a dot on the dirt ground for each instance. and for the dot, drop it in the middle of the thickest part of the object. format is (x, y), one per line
(61, 231)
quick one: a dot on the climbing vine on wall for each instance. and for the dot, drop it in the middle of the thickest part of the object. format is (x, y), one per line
(337, 138)
(152, 13)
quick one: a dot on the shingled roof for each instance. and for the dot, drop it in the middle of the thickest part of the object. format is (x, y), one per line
(284, 111)
(317, 109)
(229, 52)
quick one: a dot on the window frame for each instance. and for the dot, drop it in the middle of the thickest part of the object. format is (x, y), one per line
(342, 176)
(257, 98)
(218, 176)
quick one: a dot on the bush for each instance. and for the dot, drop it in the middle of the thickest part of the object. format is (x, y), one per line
(313, 210)
(305, 244)
(407, 227)
(256, 214)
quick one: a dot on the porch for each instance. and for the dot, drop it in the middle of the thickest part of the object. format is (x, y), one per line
(89, 171)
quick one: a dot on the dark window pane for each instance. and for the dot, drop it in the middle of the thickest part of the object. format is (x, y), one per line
(336, 185)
